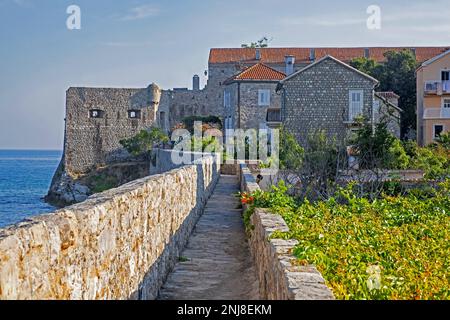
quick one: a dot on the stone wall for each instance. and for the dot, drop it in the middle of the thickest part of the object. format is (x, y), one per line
(252, 116)
(91, 142)
(279, 277)
(119, 244)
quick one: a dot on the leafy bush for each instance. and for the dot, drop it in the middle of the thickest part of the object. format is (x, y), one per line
(378, 148)
(276, 198)
(444, 140)
(434, 160)
(189, 121)
(207, 143)
(143, 142)
(291, 153)
(102, 182)
(388, 248)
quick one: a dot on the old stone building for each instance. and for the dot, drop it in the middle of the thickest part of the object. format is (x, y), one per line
(327, 95)
(250, 98)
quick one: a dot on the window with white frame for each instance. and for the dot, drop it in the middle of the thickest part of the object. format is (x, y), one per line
(446, 104)
(226, 99)
(264, 97)
(355, 104)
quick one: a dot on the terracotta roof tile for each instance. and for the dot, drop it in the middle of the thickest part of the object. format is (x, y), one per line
(258, 72)
(277, 55)
(388, 95)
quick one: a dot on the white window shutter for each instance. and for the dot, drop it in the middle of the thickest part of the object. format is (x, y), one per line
(356, 100)
(264, 97)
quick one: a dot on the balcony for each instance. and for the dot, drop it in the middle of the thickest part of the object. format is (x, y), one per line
(437, 87)
(436, 113)
(273, 115)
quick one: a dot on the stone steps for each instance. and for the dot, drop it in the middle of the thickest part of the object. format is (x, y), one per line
(219, 264)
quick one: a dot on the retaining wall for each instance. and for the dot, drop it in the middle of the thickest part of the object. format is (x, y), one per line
(278, 275)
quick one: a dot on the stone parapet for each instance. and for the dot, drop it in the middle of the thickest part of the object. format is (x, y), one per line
(120, 244)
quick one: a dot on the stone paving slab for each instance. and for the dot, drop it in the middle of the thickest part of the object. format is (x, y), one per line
(219, 264)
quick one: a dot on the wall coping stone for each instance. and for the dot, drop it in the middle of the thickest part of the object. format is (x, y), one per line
(279, 276)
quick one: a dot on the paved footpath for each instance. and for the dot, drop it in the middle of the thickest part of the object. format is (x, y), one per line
(218, 262)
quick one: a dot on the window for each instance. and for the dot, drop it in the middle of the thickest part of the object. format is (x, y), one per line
(226, 99)
(355, 104)
(446, 104)
(264, 97)
(437, 129)
(96, 113)
(162, 120)
(445, 76)
(134, 114)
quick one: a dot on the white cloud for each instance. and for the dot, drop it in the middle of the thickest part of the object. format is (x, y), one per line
(141, 12)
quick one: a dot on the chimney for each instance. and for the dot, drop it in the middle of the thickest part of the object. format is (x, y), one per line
(196, 83)
(312, 54)
(258, 54)
(290, 61)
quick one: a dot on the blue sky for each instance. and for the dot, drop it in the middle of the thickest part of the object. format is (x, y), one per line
(133, 43)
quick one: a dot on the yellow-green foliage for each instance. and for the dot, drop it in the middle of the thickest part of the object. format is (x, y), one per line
(389, 248)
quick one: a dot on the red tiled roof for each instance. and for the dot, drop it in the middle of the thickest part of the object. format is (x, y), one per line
(258, 72)
(388, 95)
(277, 55)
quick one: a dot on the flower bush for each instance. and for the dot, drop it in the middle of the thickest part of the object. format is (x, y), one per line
(388, 248)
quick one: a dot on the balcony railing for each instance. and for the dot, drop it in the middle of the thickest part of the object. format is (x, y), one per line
(437, 87)
(436, 113)
(273, 115)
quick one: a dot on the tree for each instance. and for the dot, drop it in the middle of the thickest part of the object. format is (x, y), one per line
(396, 74)
(377, 148)
(143, 142)
(261, 43)
(291, 153)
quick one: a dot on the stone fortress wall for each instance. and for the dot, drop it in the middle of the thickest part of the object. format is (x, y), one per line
(94, 141)
(119, 244)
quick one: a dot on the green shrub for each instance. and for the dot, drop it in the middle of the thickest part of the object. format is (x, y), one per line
(388, 248)
(378, 148)
(434, 159)
(143, 142)
(291, 153)
(189, 121)
(102, 182)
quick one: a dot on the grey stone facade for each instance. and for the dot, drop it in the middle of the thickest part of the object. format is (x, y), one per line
(247, 113)
(318, 98)
(92, 142)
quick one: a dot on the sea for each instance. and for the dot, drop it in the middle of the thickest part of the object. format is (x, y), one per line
(25, 176)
